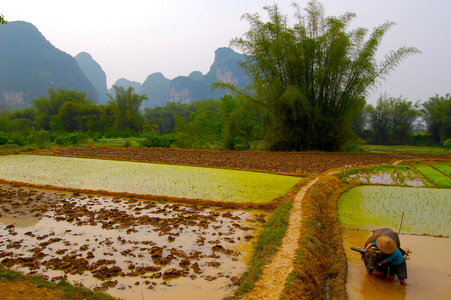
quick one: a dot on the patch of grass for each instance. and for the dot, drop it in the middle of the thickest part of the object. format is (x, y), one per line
(115, 143)
(400, 149)
(8, 274)
(435, 176)
(68, 290)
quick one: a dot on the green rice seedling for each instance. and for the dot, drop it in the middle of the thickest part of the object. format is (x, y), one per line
(427, 211)
(145, 178)
(445, 169)
(401, 176)
(435, 176)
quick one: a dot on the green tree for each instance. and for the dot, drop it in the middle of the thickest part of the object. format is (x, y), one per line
(126, 107)
(62, 103)
(392, 120)
(240, 126)
(69, 113)
(93, 118)
(2, 20)
(163, 116)
(436, 112)
(56, 98)
(202, 129)
(311, 79)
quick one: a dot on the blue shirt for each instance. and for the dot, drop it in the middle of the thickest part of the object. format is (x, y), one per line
(395, 258)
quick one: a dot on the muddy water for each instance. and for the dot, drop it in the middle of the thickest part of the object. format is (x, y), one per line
(130, 249)
(428, 265)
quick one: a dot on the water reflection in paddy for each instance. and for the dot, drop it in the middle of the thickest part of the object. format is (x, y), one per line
(132, 249)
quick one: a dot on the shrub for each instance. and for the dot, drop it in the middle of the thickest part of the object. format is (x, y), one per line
(40, 138)
(447, 144)
(70, 139)
(154, 139)
(3, 138)
(127, 144)
(18, 138)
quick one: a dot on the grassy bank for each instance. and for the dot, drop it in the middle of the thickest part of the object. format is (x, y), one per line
(320, 265)
(55, 290)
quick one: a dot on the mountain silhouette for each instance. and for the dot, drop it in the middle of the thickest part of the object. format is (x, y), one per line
(29, 65)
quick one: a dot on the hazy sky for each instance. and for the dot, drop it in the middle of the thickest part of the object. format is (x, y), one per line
(133, 38)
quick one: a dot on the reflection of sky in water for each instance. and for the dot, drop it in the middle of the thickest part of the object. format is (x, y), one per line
(228, 231)
(401, 177)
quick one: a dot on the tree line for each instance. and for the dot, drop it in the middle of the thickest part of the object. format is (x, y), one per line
(397, 121)
(66, 116)
(233, 123)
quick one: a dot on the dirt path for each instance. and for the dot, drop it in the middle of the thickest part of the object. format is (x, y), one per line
(272, 282)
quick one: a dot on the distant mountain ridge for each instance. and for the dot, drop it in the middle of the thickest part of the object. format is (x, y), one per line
(94, 73)
(29, 65)
(196, 86)
(156, 88)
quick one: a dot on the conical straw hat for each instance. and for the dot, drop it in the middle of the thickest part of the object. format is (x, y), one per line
(386, 245)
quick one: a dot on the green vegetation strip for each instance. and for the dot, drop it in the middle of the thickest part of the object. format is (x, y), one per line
(67, 290)
(435, 176)
(427, 210)
(417, 149)
(146, 178)
(320, 265)
(445, 169)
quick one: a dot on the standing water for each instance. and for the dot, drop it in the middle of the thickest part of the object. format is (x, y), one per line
(428, 268)
(130, 249)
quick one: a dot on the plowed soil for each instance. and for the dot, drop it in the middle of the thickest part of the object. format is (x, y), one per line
(293, 163)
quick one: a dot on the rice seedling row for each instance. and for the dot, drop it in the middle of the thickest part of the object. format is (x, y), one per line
(445, 169)
(435, 176)
(427, 210)
(145, 178)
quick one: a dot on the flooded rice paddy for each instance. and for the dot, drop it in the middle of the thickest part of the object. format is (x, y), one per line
(391, 175)
(426, 210)
(128, 248)
(146, 178)
(428, 265)
(425, 232)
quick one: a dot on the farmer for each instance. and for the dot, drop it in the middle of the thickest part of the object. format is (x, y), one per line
(397, 262)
